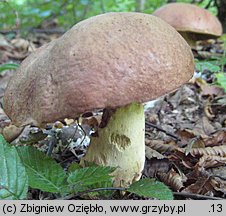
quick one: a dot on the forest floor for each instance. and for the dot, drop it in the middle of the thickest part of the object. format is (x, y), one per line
(185, 130)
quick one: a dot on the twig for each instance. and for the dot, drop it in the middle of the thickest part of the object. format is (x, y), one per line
(196, 196)
(216, 131)
(187, 195)
(162, 130)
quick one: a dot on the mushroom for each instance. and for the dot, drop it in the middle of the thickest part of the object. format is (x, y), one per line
(113, 61)
(192, 22)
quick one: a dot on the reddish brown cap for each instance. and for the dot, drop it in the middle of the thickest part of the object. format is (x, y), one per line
(108, 60)
(190, 18)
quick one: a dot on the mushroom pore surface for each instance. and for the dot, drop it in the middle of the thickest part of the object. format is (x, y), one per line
(109, 60)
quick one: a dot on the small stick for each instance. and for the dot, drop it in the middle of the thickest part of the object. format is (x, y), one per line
(196, 196)
(162, 130)
(187, 195)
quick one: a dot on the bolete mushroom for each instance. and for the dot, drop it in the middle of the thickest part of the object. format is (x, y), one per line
(114, 61)
(192, 22)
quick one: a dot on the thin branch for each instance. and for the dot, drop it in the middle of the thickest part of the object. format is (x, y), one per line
(183, 194)
(196, 196)
(162, 130)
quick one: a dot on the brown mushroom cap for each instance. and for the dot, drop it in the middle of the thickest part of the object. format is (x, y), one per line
(108, 60)
(190, 18)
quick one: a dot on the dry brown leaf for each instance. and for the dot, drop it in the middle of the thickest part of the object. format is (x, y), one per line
(20, 44)
(216, 150)
(183, 96)
(172, 179)
(203, 127)
(218, 172)
(93, 121)
(217, 139)
(200, 182)
(151, 153)
(153, 118)
(185, 135)
(209, 161)
(208, 111)
(194, 143)
(161, 146)
(180, 158)
(219, 185)
(201, 186)
(219, 105)
(156, 165)
(210, 90)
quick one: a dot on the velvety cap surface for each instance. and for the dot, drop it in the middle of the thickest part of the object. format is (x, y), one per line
(190, 18)
(108, 60)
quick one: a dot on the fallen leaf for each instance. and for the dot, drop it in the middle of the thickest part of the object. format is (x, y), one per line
(154, 165)
(215, 151)
(161, 146)
(151, 153)
(173, 179)
(217, 139)
(211, 90)
(209, 161)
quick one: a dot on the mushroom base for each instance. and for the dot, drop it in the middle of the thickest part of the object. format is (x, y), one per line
(121, 144)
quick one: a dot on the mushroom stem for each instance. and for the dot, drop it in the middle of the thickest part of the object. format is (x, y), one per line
(121, 144)
(190, 38)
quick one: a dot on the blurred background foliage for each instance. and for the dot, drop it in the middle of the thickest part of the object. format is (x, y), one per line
(29, 14)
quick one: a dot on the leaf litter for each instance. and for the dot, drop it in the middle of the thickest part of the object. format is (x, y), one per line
(195, 114)
(186, 150)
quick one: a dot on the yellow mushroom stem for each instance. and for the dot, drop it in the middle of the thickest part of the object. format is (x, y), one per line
(121, 144)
